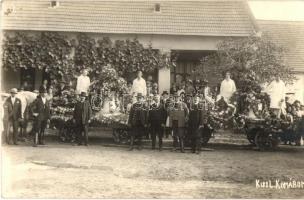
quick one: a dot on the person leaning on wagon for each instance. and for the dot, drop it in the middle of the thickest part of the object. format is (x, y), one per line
(137, 121)
(178, 115)
(81, 117)
(157, 119)
(12, 116)
(40, 109)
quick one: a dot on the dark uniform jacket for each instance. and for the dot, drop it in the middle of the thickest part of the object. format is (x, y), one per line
(82, 112)
(197, 116)
(138, 113)
(43, 110)
(157, 114)
(12, 111)
(178, 113)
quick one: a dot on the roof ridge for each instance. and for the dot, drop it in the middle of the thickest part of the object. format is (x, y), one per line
(132, 0)
(280, 21)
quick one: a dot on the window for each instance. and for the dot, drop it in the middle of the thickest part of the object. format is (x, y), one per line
(54, 4)
(157, 7)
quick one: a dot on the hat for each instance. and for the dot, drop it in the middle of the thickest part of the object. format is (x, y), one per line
(165, 92)
(155, 84)
(83, 94)
(205, 81)
(14, 91)
(42, 90)
(139, 95)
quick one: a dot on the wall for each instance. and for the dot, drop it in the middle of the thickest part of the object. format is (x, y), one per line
(298, 88)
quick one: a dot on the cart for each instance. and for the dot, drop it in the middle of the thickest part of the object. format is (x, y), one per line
(265, 133)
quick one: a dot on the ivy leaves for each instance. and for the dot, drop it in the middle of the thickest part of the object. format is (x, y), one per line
(63, 58)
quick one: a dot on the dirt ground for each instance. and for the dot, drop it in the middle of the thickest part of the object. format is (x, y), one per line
(103, 170)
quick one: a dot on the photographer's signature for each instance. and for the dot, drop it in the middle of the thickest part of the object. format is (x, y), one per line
(279, 184)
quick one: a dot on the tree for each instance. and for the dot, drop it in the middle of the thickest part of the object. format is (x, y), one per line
(251, 61)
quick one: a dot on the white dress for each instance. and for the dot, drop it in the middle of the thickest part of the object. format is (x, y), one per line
(227, 89)
(276, 91)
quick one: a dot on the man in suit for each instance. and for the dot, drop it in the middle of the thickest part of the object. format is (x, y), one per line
(12, 116)
(40, 109)
(157, 119)
(197, 120)
(137, 120)
(82, 115)
(178, 116)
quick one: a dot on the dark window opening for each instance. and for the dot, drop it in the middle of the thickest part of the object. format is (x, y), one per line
(157, 7)
(54, 3)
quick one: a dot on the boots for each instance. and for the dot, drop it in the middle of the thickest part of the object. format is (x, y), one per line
(181, 140)
(131, 143)
(36, 138)
(174, 143)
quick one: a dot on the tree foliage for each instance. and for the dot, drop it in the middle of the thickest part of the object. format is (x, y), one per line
(251, 61)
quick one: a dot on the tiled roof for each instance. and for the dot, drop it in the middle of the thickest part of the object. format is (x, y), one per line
(177, 17)
(290, 35)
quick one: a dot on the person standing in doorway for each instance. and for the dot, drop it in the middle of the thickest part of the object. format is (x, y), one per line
(44, 85)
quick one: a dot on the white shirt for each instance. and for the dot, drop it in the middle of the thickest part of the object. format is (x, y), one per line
(139, 86)
(43, 100)
(227, 89)
(276, 91)
(83, 84)
(13, 99)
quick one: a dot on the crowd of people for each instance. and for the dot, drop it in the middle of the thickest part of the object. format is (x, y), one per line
(182, 111)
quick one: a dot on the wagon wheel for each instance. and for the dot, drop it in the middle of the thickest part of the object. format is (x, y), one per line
(121, 136)
(262, 140)
(63, 135)
(251, 136)
(275, 141)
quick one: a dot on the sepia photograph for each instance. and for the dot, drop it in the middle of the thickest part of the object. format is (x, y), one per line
(152, 99)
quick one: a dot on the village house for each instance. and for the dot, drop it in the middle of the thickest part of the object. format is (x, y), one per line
(289, 35)
(191, 28)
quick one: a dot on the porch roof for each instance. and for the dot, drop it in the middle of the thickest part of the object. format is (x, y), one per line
(176, 17)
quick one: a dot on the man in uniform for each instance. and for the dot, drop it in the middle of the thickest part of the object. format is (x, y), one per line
(82, 115)
(197, 120)
(41, 111)
(137, 121)
(12, 116)
(177, 121)
(157, 118)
